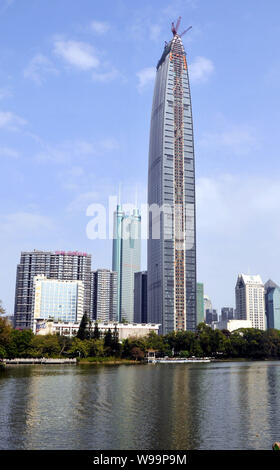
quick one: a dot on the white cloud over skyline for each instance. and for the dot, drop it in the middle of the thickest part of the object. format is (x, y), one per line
(38, 67)
(76, 53)
(200, 69)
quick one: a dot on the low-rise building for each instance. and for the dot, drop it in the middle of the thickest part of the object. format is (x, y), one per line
(231, 325)
(125, 330)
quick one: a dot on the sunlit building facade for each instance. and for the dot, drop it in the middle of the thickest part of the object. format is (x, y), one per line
(57, 299)
(171, 196)
(250, 303)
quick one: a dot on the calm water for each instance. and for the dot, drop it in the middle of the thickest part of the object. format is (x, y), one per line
(200, 406)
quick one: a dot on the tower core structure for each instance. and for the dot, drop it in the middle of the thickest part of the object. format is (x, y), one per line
(171, 195)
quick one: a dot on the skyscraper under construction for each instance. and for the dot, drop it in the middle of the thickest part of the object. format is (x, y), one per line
(171, 195)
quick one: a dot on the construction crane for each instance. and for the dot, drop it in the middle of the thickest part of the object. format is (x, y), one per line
(175, 29)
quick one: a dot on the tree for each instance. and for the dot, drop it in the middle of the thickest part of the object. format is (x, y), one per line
(96, 332)
(2, 310)
(83, 332)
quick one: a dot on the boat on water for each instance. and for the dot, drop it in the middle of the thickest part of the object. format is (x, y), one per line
(169, 360)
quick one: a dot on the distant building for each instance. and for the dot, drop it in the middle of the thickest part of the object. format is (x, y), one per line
(104, 295)
(211, 315)
(272, 304)
(71, 265)
(126, 259)
(125, 330)
(140, 297)
(57, 299)
(231, 325)
(250, 305)
(227, 313)
(199, 302)
(207, 304)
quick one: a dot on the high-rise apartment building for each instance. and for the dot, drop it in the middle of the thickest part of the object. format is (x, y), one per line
(104, 295)
(71, 265)
(211, 316)
(140, 297)
(227, 313)
(171, 196)
(57, 299)
(272, 304)
(126, 259)
(199, 302)
(250, 304)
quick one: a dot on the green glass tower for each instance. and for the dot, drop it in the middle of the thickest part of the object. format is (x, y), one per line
(126, 259)
(199, 302)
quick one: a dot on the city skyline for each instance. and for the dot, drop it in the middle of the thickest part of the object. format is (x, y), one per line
(57, 161)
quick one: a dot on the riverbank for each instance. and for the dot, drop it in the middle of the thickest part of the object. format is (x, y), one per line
(107, 360)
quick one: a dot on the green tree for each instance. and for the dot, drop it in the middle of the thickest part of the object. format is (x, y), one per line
(2, 310)
(96, 333)
(83, 332)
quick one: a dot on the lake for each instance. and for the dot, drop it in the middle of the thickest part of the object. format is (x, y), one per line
(222, 405)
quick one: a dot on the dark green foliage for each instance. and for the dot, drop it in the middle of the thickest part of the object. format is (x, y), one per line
(84, 332)
(96, 333)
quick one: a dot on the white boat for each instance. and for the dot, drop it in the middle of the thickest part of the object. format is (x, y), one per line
(167, 360)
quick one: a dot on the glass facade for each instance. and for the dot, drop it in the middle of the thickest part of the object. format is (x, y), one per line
(59, 300)
(171, 196)
(200, 302)
(126, 259)
(272, 307)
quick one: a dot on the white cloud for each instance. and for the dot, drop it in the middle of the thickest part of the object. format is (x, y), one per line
(10, 121)
(25, 223)
(100, 27)
(5, 93)
(38, 67)
(238, 140)
(8, 152)
(201, 69)
(238, 230)
(155, 30)
(145, 77)
(79, 54)
(106, 76)
(82, 201)
(69, 151)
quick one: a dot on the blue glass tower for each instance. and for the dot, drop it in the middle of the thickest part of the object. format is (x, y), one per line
(272, 305)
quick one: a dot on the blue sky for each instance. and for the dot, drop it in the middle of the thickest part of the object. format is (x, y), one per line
(76, 86)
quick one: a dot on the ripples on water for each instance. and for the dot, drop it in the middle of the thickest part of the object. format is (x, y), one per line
(194, 406)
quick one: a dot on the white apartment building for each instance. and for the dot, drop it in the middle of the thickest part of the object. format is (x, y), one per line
(250, 302)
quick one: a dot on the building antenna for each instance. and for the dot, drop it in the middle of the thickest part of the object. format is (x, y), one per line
(119, 194)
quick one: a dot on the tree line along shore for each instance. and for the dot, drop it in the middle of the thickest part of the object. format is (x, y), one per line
(89, 346)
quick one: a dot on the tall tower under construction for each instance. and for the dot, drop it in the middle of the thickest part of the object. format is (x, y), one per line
(171, 195)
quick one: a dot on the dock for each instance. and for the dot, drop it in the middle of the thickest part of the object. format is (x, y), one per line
(41, 360)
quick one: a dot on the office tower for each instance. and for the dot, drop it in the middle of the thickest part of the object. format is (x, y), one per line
(272, 304)
(171, 196)
(126, 259)
(207, 303)
(58, 299)
(249, 296)
(210, 316)
(199, 302)
(104, 295)
(227, 313)
(71, 265)
(140, 297)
